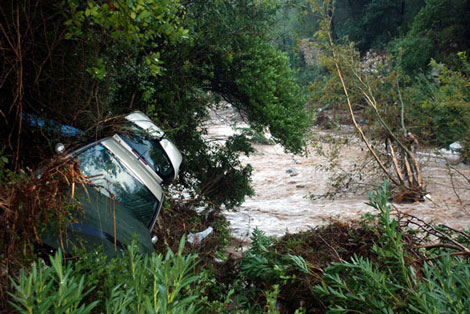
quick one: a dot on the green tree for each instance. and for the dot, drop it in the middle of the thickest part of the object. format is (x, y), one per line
(229, 58)
(439, 31)
(170, 59)
(373, 23)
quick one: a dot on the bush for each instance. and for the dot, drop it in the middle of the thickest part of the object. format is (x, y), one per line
(416, 53)
(438, 31)
(268, 271)
(132, 283)
(264, 263)
(51, 289)
(441, 114)
(391, 282)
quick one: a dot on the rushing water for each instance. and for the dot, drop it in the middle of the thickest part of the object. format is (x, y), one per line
(283, 183)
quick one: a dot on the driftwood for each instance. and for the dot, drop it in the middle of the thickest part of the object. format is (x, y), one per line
(445, 237)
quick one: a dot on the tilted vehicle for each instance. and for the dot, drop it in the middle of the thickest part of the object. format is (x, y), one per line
(126, 195)
(147, 141)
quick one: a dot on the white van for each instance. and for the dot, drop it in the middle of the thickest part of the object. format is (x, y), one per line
(125, 198)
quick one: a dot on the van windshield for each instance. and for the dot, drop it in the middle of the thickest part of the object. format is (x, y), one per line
(149, 149)
(113, 180)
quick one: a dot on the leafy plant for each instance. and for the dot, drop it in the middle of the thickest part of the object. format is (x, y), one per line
(445, 288)
(262, 262)
(153, 283)
(134, 283)
(361, 284)
(54, 289)
(131, 23)
(441, 112)
(388, 282)
(271, 299)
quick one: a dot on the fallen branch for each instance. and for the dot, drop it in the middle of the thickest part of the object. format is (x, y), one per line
(414, 183)
(395, 161)
(431, 229)
(451, 254)
(351, 112)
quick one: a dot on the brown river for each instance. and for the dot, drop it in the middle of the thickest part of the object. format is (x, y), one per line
(284, 183)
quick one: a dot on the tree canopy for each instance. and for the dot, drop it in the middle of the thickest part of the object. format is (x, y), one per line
(78, 62)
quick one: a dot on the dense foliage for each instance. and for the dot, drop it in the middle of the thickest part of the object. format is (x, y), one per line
(377, 265)
(128, 283)
(440, 108)
(420, 29)
(367, 284)
(373, 23)
(413, 50)
(417, 89)
(439, 31)
(84, 62)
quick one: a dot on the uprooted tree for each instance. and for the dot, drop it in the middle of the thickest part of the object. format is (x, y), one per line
(398, 163)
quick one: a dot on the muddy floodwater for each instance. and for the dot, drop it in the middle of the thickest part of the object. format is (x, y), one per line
(284, 184)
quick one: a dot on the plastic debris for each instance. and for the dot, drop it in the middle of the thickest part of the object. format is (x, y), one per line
(194, 238)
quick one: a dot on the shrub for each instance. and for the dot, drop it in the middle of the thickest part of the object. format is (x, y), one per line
(268, 272)
(264, 263)
(132, 283)
(391, 283)
(441, 113)
(51, 289)
(416, 53)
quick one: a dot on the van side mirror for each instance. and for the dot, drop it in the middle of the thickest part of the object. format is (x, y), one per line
(59, 148)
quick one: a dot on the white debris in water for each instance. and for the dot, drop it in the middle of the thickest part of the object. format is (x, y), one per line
(455, 147)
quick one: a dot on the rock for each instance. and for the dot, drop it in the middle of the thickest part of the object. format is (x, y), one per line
(292, 172)
(456, 147)
(323, 121)
(373, 59)
(310, 52)
(452, 154)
